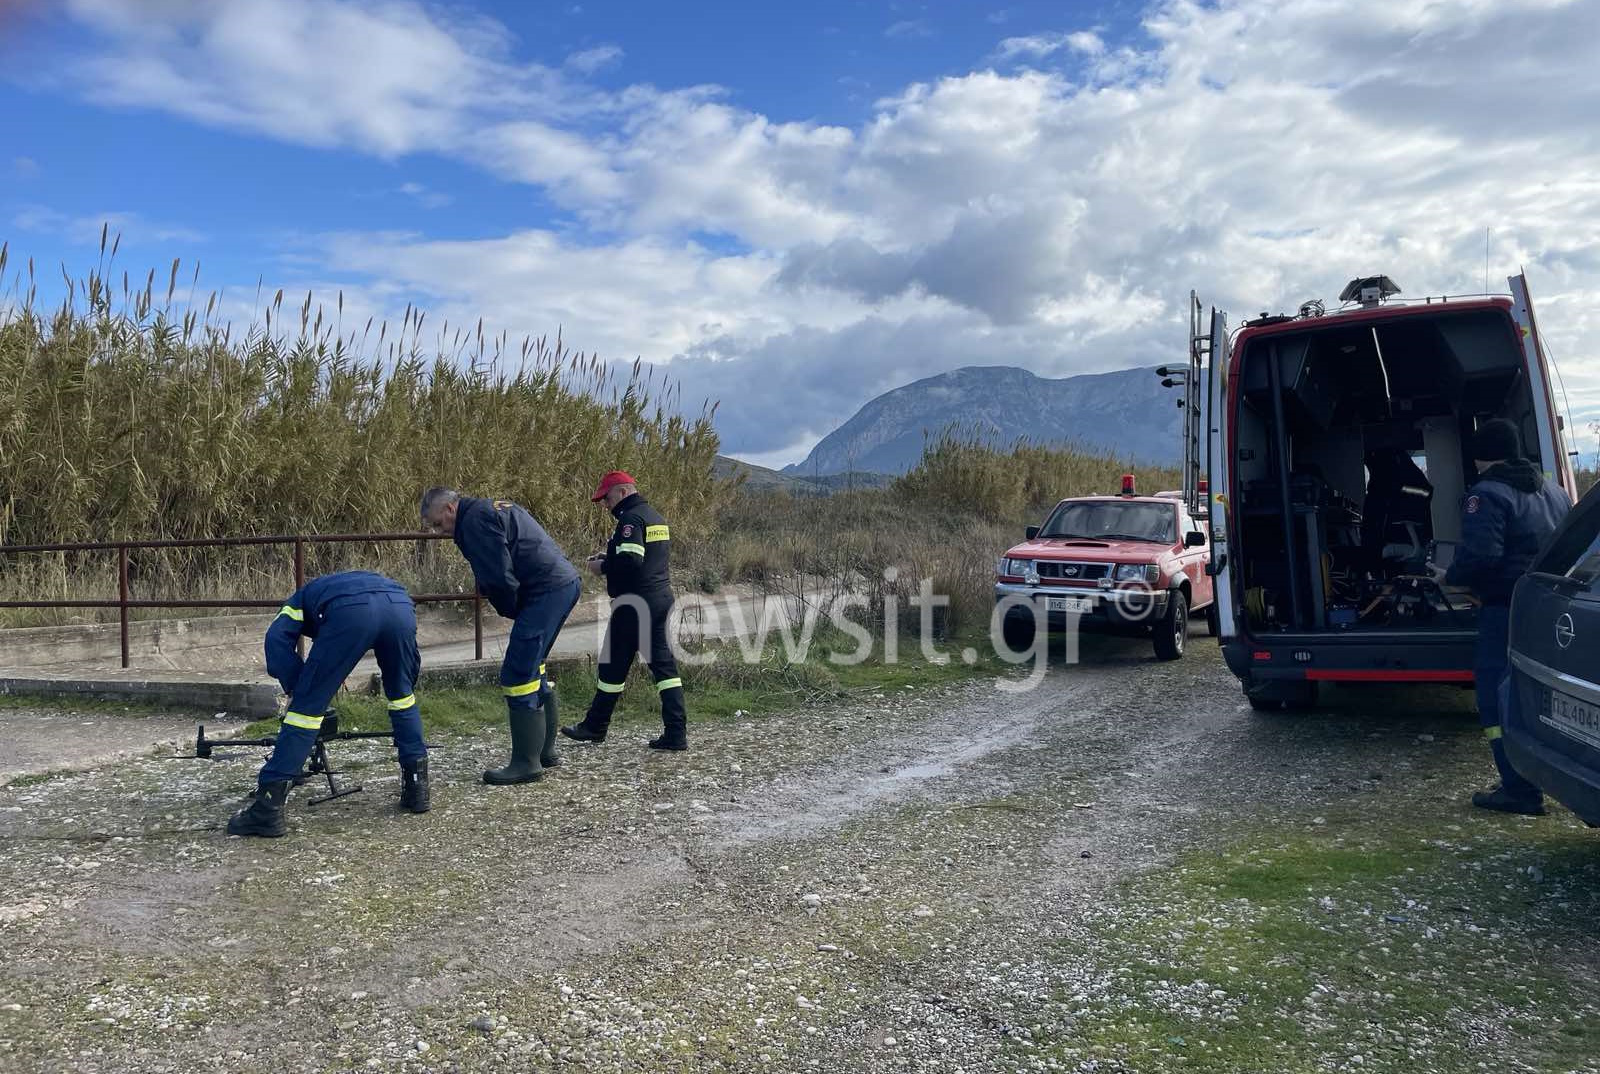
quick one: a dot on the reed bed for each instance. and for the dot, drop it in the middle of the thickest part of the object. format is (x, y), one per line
(137, 411)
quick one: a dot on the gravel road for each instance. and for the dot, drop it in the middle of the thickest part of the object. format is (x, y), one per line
(907, 882)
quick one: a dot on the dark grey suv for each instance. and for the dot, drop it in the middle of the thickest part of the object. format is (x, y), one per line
(1552, 718)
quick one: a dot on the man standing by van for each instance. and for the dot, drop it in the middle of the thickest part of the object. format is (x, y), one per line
(1506, 517)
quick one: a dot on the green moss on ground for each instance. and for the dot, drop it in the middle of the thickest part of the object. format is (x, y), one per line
(1410, 947)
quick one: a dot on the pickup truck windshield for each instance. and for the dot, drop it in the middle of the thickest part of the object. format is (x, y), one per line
(1110, 520)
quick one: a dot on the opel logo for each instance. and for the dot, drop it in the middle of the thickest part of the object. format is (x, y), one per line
(1564, 632)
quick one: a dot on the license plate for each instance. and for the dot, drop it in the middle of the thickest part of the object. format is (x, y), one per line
(1573, 718)
(1079, 605)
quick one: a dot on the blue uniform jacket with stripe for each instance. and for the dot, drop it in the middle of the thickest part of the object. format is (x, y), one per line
(513, 558)
(1506, 517)
(303, 612)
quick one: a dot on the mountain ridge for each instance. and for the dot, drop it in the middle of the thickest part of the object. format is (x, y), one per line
(1125, 412)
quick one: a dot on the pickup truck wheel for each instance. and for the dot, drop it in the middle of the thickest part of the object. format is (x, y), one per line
(1213, 621)
(1172, 629)
(1018, 633)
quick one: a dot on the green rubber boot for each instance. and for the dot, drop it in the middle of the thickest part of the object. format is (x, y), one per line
(527, 733)
(548, 757)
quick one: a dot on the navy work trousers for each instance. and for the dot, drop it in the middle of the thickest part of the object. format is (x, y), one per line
(1490, 673)
(522, 672)
(386, 624)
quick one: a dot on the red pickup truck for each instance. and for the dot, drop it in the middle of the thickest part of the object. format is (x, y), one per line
(1126, 564)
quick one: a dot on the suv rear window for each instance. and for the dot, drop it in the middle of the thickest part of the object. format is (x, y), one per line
(1575, 551)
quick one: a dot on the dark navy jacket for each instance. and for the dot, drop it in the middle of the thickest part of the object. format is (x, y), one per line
(513, 559)
(303, 613)
(639, 554)
(1506, 517)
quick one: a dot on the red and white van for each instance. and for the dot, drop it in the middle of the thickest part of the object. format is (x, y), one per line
(1337, 457)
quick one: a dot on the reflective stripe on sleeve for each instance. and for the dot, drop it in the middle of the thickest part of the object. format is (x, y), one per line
(293, 613)
(401, 703)
(1492, 733)
(630, 549)
(524, 690)
(300, 719)
(657, 533)
(669, 684)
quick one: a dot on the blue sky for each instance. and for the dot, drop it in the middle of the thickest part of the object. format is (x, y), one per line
(795, 207)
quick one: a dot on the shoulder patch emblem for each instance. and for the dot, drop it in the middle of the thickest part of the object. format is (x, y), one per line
(627, 531)
(1473, 504)
(501, 505)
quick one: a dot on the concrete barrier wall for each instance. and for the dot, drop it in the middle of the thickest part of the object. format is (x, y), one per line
(212, 641)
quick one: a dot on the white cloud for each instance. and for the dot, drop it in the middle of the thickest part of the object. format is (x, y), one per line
(86, 229)
(1264, 151)
(425, 196)
(25, 167)
(909, 28)
(1038, 46)
(387, 78)
(591, 60)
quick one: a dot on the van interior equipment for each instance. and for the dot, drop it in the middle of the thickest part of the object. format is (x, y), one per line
(1338, 446)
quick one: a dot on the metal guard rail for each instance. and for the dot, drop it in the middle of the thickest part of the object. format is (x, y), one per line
(124, 602)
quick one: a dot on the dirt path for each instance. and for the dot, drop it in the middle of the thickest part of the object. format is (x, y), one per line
(899, 884)
(38, 741)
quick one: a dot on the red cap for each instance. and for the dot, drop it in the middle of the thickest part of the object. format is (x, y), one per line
(611, 481)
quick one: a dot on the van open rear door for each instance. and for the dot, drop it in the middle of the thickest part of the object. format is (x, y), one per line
(1547, 415)
(1208, 342)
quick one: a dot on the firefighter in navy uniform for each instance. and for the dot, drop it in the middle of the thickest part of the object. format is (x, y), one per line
(346, 614)
(1506, 517)
(636, 568)
(525, 576)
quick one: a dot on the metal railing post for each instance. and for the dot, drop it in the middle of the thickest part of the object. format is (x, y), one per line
(477, 625)
(122, 598)
(299, 580)
(125, 603)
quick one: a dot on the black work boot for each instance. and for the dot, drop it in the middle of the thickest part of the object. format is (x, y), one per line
(264, 815)
(584, 732)
(1503, 801)
(527, 728)
(674, 736)
(674, 721)
(552, 718)
(414, 787)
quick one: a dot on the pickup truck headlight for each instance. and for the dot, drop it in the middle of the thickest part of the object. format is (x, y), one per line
(1013, 567)
(1138, 572)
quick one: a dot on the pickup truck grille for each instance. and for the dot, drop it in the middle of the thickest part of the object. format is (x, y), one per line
(1074, 572)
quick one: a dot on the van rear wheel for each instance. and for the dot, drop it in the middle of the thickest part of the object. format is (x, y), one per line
(1277, 696)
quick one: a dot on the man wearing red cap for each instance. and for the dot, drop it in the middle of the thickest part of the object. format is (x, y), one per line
(635, 564)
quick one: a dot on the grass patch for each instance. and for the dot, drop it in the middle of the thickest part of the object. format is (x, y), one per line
(34, 779)
(88, 703)
(718, 690)
(1395, 945)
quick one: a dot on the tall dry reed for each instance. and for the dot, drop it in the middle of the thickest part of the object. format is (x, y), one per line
(132, 411)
